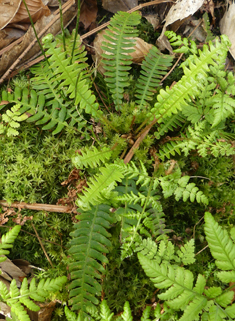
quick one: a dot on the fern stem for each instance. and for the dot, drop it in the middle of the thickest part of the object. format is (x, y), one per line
(35, 32)
(76, 30)
(62, 25)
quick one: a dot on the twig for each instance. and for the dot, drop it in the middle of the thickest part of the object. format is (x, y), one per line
(40, 207)
(42, 246)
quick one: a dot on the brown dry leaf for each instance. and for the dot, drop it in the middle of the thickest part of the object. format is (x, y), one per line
(10, 271)
(9, 57)
(45, 312)
(21, 220)
(8, 9)
(141, 49)
(88, 12)
(227, 27)
(119, 5)
(182, 9)
(36, 8)
(153, 19)
(8, 35)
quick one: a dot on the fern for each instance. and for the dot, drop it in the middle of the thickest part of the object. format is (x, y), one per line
(18, 299)
(172, 101)
(222, 248)
(154, 67)
(90, 241)
(12, 118)
(91, 157)
(120, 42)
(7, 241)
(60, 93)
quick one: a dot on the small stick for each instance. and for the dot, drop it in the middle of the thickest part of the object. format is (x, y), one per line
(42, 246)
(40, 207)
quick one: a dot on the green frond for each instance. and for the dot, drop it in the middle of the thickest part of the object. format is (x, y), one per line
(105, 312)
(169, 123)
(17, 299)
(171, 101)
(223, 106)
(146, 314)
(7, 241)
(180, 294)
(222, 248)
(120, 41)
(91, 157)
(186, 252)
(126, 315)
(154, 67)
(87, 247)
(106, 179)
(70, 315)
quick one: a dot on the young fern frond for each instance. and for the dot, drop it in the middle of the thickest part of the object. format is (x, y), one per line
(7, 241)
(89, 242)
(120, 42)
(154, 67)
(18, 299)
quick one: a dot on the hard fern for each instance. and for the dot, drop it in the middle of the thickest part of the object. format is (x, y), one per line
(89, 242)
(120, 42)
(154, 67)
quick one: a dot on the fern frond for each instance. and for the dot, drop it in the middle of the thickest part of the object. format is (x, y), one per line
(222, 248)
(181, 292)
(223, 106)
(169, 123)
(126, 315)
(7, 241)
(89, 242)
(105, 312)
(70, 315)
(171, 101)
(91, 157)
(154, 67)
(120, 42)
(17, 299)
(106, 179)
(186, 252)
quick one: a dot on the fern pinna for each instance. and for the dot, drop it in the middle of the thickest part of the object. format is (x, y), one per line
(194, 299)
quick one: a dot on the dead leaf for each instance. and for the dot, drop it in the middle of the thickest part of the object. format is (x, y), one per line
(141, 49)
(88, 12)
(8, 9)
(36, 9)
(119, 5)
(8, 35)
(10, 271)
(21, 221)
(227, 26)
(182, 9)
(153, 19)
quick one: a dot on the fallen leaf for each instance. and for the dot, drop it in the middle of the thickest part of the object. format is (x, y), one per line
(182, 9)
(141, 49)
(8, 9)
(227, 26)
(88, 12)
(36, 9)
(119, 5)
(10, 271)
(8, 35)
(153, 19)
